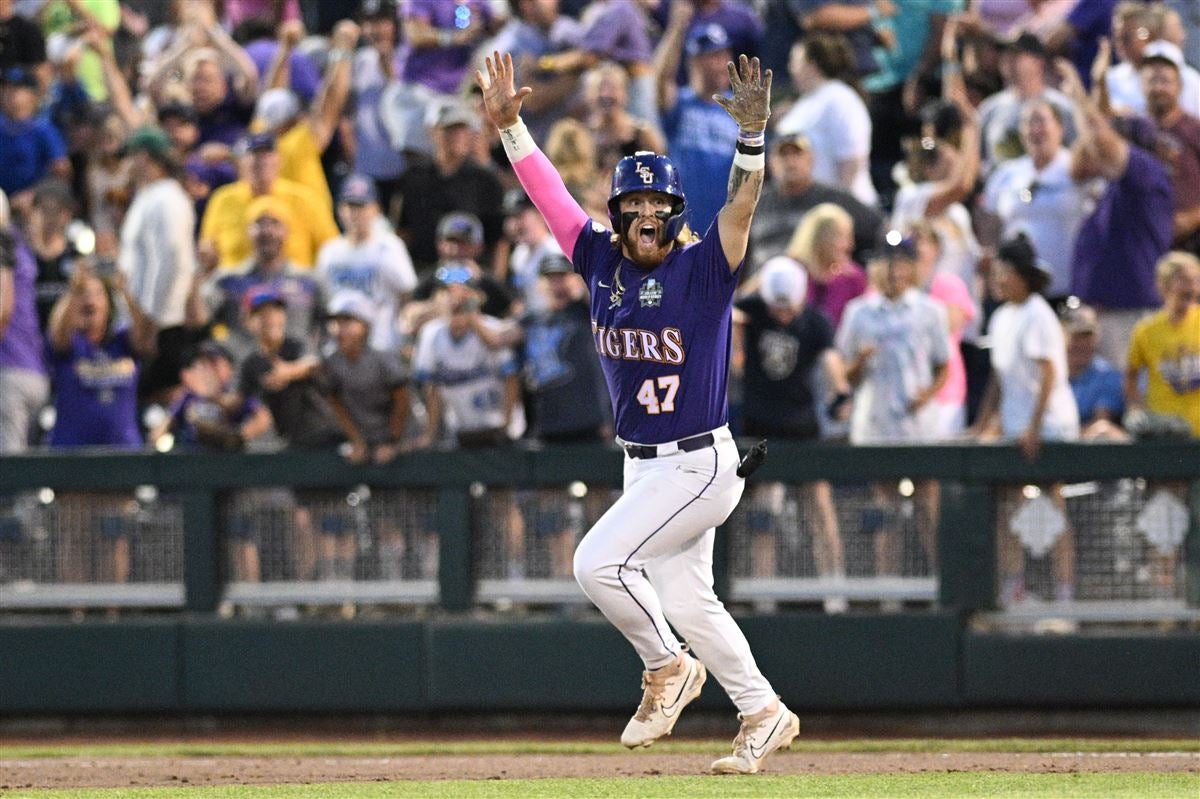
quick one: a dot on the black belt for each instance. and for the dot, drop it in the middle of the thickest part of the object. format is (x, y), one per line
(686, 445)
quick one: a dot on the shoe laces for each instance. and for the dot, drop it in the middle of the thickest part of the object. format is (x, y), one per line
(740, 749)
(653, 692)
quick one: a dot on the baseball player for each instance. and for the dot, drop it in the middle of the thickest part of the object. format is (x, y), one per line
(661, 304)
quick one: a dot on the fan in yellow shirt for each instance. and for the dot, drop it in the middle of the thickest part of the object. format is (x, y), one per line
(303, 134)
(1167, 345)
(224, 241)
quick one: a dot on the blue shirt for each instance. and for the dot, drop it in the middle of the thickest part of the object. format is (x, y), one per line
(701, 137)
(663, 341)
(1097, 389)
(912, 27)
(27, 149)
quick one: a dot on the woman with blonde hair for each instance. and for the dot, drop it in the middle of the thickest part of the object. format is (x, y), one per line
(572, 150)
(617, 132)
(822, 243)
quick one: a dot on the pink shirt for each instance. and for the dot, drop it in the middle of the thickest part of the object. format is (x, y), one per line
(950, 290)
(834, 294)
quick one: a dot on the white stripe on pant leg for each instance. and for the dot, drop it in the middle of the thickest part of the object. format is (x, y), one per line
(684, 583)
(654, 517)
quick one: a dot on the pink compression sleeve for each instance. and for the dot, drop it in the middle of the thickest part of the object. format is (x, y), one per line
(545, 187)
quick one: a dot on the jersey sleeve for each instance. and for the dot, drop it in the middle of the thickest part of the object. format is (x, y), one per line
(593, 241)
(709, 268)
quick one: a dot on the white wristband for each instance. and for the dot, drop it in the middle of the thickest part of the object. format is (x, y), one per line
(517, 141)
(750, 163)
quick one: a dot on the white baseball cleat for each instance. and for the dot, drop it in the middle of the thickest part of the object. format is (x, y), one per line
(760, 735)
(667, 691)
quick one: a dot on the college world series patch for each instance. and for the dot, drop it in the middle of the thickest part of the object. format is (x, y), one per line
(650, 295)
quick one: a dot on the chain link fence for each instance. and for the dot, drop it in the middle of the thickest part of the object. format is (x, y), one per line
(329, 546)
(1094, 550)
(525, 539)
(830, 544)
(76, 550)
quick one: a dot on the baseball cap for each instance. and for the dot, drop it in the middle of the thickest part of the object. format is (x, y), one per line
(894, 244)
(555, 263)
(208, 349)
(358, 190)
(451, 113)
(266, 205)
(460, 226)
(1165, 52)
(784, 282)
(352, 305)
(177, 110)
(150, 140)
(377, 9)
(19, 76)
(1081, 319)
(706, 39)
(261, 298)
(275, 108)
(795, 138)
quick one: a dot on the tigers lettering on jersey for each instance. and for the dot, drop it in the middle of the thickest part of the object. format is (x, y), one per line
(635, 344)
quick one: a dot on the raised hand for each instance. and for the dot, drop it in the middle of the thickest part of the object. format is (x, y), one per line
(501, 99)
(750, 105)
(1102, 61)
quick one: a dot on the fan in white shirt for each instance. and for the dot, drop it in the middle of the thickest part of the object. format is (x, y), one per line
(369, 260)
(1035, 194)
(832, 115)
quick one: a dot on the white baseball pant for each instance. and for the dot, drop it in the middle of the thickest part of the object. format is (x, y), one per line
(648, 561)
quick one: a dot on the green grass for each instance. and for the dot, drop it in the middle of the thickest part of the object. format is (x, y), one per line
(968, 785)
(523, 747)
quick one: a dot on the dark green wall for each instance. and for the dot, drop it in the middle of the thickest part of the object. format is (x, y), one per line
(900, 662)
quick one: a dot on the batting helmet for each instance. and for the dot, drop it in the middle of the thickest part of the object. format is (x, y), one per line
(647, 171)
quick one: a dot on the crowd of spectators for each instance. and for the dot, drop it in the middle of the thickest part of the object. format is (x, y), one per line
(281, 223)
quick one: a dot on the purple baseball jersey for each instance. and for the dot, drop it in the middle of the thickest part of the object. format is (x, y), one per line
(664, 340)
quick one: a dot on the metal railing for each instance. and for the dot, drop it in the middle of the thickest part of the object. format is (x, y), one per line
(1089, 531)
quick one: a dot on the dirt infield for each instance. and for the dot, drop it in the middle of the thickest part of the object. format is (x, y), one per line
(118, 772)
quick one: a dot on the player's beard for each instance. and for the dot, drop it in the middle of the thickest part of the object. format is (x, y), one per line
(645, 251)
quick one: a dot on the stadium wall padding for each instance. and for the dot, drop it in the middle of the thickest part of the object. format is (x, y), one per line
(818, 663)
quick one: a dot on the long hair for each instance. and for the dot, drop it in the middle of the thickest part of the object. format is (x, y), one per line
(814, 227)
(572, 149)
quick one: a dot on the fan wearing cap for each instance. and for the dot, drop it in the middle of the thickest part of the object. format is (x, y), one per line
(369, 260)
(207, 414)
(1137, 29)
(1096, 383)
(281, 372)
(660, 306)
(459, 247)
(302, 135)
(30, 146)
(791, 191)
(267, 269)
(366, 387)
(157, 254)
(1162, 83)
(1025, 80)
(451, 182)
(1113, 268)
(896, 343)
(1029, 398)
(780, 342)
(701, 137)
(224, 241)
